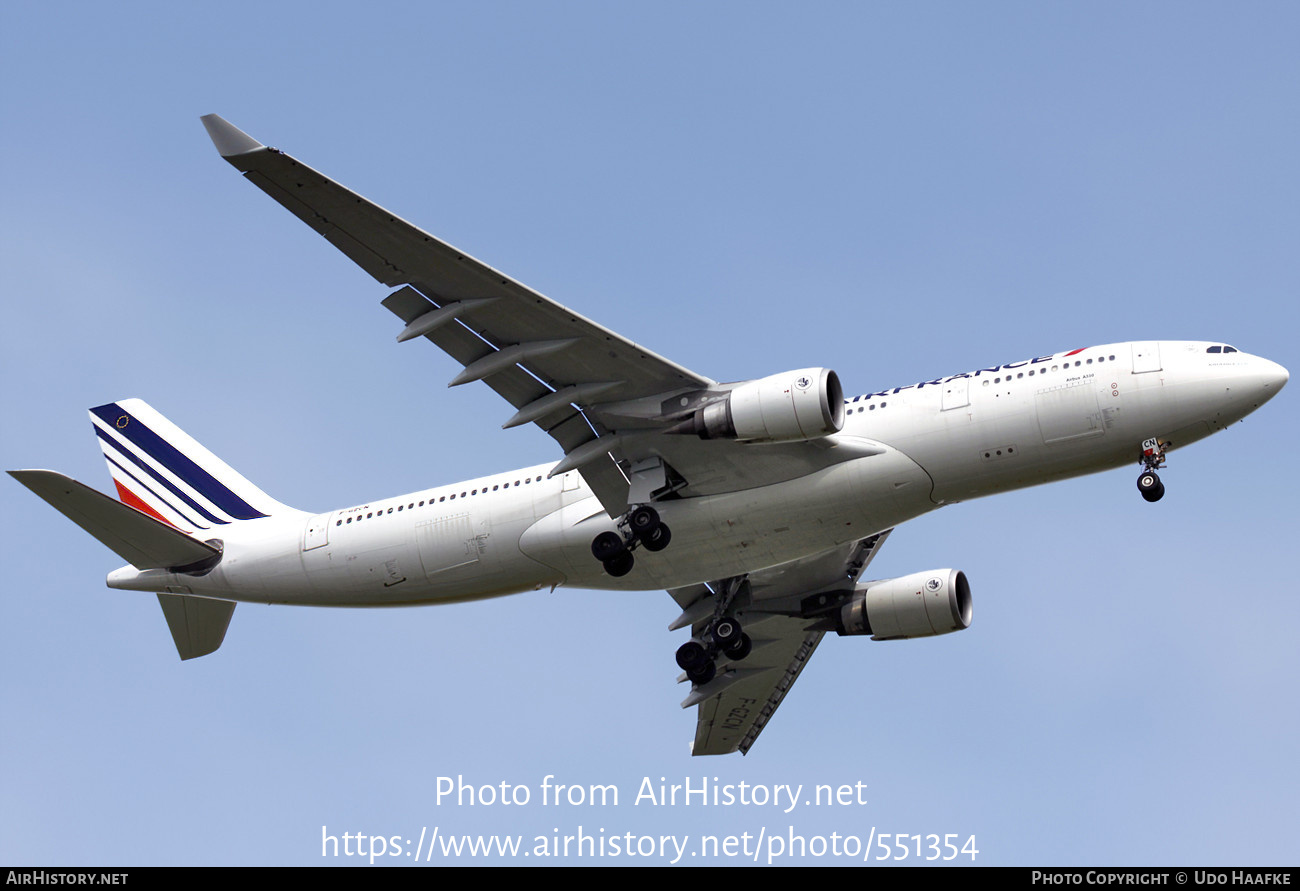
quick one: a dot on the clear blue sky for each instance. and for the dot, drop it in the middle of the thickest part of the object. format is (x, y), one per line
(896, 191)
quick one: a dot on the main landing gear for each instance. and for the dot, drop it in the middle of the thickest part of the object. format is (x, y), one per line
(640, 527)
(1153, 457)
(725, 636)
(722, 634)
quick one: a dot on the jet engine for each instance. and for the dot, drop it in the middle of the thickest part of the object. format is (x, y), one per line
(922, 604)
(791, 407)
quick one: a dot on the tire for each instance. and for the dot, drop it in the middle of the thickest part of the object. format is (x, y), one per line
(606, 546)
(1150, 486)
(691, 655)
(726, 632)
(741, 648)
(620, 564)
(657, 539)
(643, 520)
(702, 675)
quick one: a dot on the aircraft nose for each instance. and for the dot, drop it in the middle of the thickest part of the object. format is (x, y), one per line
(1280, 376)
(1267, 378)
(1273, 376)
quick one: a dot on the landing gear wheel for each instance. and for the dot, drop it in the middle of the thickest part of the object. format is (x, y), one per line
(657, 539)
(606, 546)
(740, 649)
(643, 520)
(1150, 486)
(691, 655)
(726, 632)
(702, 675)
(620, 564)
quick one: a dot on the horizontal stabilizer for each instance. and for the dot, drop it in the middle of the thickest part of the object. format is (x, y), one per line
(198, 625)
(137, 538)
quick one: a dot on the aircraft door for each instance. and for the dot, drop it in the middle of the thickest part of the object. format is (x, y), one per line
(317, 533)
(1146, 356)
(956, 394)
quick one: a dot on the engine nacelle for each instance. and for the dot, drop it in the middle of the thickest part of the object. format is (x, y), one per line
(922, 604)
(795, 406)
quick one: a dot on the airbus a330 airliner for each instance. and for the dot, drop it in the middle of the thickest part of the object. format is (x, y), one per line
(757, 504)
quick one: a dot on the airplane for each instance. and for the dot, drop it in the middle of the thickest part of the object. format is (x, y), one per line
(757, 504)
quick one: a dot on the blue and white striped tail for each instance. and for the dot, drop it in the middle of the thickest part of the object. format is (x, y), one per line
(162, 471)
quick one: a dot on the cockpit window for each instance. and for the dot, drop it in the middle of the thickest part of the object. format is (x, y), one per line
(1215, 349)
(1220, 348)
(1229, 349)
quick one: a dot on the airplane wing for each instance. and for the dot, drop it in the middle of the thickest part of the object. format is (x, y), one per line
(603, 398)
(785, 613)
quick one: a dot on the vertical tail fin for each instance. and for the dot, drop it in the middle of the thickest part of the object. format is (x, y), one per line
(160, 470)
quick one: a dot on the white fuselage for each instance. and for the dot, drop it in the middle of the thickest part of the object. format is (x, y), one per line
(925, 445)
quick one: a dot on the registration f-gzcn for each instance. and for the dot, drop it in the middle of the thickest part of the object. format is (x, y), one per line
(757, 504)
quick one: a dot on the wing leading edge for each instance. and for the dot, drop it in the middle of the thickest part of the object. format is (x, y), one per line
(552, 364)
(617, 409)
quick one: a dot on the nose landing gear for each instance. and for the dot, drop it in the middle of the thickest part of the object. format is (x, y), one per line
(1153, 457)
(640, 526)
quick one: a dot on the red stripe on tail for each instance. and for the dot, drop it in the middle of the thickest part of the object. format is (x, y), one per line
(127, 497)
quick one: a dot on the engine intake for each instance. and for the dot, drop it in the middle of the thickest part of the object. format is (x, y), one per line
(794, 406)
(922, 604)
